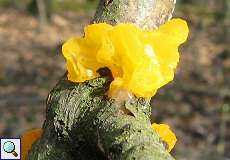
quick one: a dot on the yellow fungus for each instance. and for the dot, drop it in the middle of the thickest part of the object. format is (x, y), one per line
(28, 139)
(141, 61)
(165, 134)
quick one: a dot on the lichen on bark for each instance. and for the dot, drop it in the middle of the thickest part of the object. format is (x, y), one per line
(83, 123)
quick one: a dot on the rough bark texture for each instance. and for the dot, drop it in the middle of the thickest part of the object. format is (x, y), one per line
(82, 123)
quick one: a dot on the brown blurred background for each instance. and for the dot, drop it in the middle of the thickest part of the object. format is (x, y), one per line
(196, 104)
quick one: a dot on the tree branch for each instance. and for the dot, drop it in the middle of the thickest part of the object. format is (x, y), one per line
(83, 123)
(144, 13)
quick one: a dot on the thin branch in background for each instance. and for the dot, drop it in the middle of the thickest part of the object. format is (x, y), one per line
(42, 15)
(221, 146)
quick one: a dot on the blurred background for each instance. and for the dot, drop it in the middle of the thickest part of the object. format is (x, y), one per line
(196, 104)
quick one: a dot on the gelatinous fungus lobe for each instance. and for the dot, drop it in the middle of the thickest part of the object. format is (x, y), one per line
(141, 61)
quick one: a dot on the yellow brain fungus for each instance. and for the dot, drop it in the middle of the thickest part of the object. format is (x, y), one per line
(28, 139)
(166, 135)
(141, 61)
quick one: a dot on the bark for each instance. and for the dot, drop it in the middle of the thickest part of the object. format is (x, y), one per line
(83, 123)
(144, 13)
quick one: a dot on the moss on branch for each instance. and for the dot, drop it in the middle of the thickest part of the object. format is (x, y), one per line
(82, 123)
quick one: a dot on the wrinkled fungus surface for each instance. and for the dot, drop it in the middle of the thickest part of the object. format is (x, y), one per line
(141, 61)
(165, 134)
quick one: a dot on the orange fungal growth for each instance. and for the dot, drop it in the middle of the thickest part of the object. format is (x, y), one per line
(28, 139)
(141, 61)
(165, 134)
